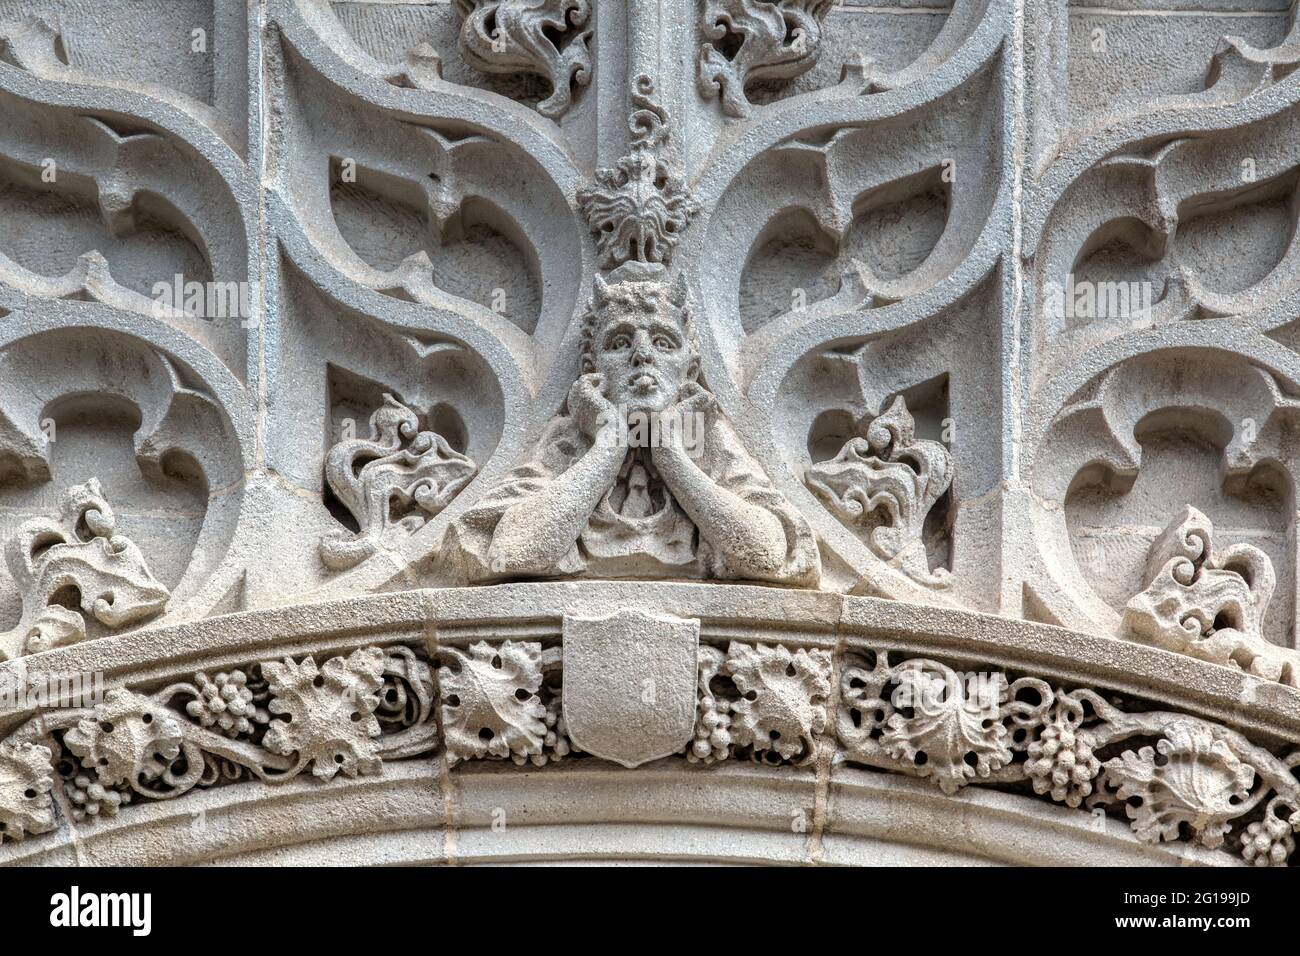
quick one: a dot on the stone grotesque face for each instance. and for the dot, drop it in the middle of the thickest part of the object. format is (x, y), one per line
(638, 338)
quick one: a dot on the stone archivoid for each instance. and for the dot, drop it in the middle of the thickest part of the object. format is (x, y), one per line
(744, 430)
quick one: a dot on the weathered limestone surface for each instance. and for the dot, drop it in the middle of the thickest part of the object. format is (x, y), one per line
(451, 431)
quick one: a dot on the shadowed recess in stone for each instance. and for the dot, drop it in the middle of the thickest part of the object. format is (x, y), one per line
(386, 221)
(1114, 520)
(678, 430)
(144, 41)
(47, 227)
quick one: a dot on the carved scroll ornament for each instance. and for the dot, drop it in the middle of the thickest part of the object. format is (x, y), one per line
(81, 555)
(1209, 603)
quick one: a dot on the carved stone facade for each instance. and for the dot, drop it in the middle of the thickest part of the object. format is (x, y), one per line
(448, 431)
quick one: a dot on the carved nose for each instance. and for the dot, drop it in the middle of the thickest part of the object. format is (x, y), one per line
(642, 354)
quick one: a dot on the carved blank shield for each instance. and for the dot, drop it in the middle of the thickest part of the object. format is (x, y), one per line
(630, 684)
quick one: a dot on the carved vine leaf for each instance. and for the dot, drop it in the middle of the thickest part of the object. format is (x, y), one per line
(329, 712)
(398, 477)
(755, 40)
(128, 738)
(80, 550)
(1200, 774)
(25, 779)
(1195, 779)
(490, 702)
(886, 484)
(782, 707)
(546, 38)
(346, 715)
(639, 209)
(972, 725)
(1209, 603)
(955, 732)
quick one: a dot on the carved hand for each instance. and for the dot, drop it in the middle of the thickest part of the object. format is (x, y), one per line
(590, 409)
(534, 534)
(682, 425)
(752, 538)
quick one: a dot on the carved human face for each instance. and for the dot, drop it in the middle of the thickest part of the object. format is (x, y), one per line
(644, 355)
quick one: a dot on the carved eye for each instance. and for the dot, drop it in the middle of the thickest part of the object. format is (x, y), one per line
(619, 342)
(664, 343)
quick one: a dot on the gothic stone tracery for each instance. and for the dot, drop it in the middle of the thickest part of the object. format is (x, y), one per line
(641, 348)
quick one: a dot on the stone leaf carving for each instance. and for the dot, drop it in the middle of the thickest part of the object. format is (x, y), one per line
(490, 702)
(778, 40)
(546, 38)
(1198, 772)
(925, 718)
(398, 471)
(328, 713)
(782, 705)
(629, 684)
(1188, 778)
(25, 781)
(954, 732)
(971, 726)
(126, 739)
(78, 551)
(853, 179)
(886, 484)
(639, 208)
(345, 716)
(1209, 604)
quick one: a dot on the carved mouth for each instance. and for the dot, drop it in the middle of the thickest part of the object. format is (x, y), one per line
(644, 382)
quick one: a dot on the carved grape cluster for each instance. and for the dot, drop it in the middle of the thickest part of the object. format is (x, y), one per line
(780, 709)
(228, 703)
(1270, 841)
(1061, 760)
(90, 798)
(503, 699)
(712, 740)
(556, 744)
